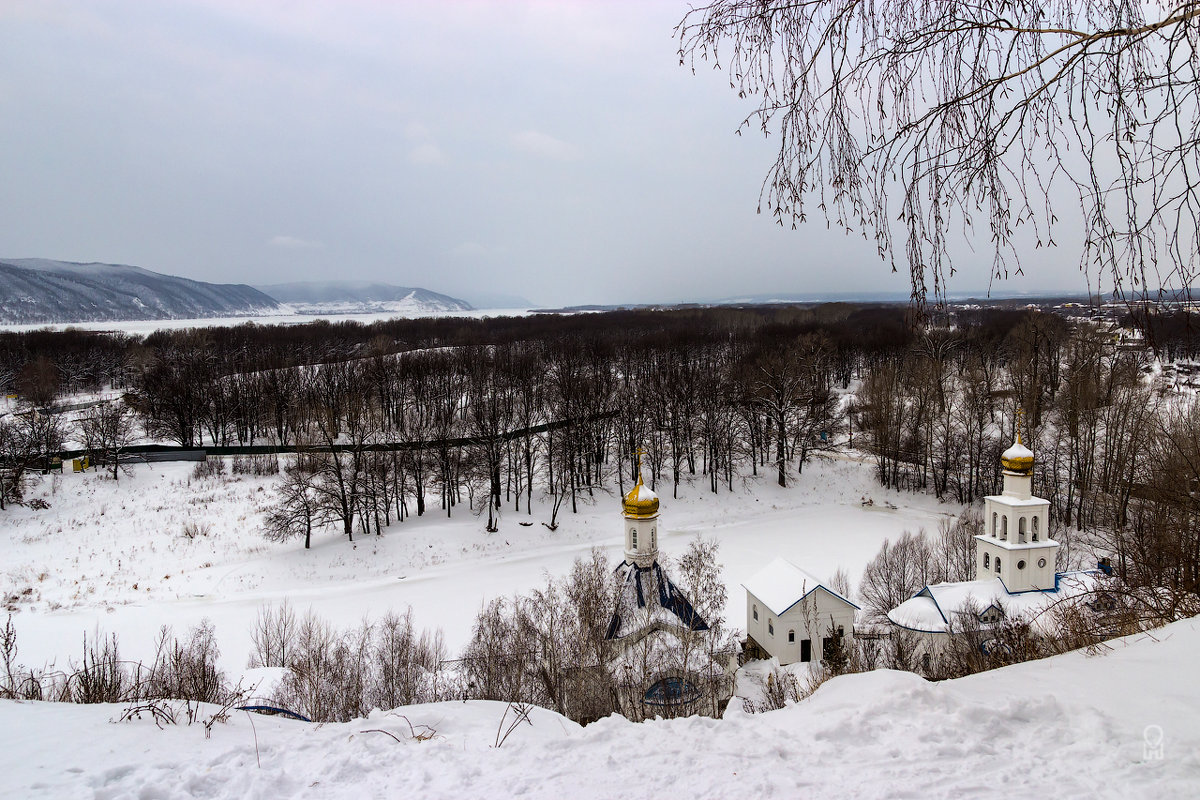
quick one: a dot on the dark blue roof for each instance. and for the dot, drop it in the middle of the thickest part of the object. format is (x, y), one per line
(652, 582)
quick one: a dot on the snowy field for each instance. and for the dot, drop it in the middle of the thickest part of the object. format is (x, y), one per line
(114, 556)
(1119, 725)
(144, 327)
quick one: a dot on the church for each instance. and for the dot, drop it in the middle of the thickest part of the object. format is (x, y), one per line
(659, 646)
(1015, 575)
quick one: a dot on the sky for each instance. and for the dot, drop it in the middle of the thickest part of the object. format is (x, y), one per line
(554, 150)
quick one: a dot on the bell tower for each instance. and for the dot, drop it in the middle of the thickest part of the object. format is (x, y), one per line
(641, 523)
(1016, 545)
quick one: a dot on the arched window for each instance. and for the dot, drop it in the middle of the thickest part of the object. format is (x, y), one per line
(987, 561)
(770, 626)
(671, 691)
(633, 533)
(756, 611)
(1004, 527)
(653, 539)
(1035, 527)
(995, 523)
(997, 566)
(1021, 529)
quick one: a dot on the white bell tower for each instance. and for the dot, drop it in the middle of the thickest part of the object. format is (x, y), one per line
(641, 523)
(1016, 545)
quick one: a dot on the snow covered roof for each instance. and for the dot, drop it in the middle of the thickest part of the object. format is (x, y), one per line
(647, 596)
(781, 584)
(932, 608)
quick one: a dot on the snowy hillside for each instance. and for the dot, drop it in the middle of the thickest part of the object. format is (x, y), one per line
(114, 555)
(1120, 724)
(355, 297)
(39, 290)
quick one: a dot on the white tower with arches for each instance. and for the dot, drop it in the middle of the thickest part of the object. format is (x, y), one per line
(1016, 546)
(641, 524)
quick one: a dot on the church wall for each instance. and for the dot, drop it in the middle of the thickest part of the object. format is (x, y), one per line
(812, 619)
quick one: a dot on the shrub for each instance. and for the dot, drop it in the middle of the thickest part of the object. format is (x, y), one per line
(211, 467)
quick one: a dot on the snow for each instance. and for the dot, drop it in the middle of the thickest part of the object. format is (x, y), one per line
(145, 327)
(781, 584)
(641, 493)
(932, 608)
(1071, 726)
(112, 555)
(1017, 451)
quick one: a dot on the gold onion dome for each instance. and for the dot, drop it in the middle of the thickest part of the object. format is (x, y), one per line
(1017, 458)
(640, 502)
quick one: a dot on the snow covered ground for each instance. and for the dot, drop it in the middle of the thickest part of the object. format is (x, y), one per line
(1119, 725)
(113, 555)
(144, 327)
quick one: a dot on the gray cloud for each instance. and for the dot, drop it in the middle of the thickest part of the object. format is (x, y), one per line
(292, 243)
(551, 149)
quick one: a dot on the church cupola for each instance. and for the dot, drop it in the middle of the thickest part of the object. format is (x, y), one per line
(1016, 545)
(641, 524)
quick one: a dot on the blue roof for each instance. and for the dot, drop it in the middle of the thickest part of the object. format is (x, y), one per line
(645, 587)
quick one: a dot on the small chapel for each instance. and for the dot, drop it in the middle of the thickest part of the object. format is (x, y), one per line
(657, 649)
(1015, 574)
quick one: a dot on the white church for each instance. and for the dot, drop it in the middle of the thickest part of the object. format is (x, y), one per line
(657, 649)
(1015, 575)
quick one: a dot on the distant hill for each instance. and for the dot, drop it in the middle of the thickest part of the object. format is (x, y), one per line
(40, 290)
(348, 297)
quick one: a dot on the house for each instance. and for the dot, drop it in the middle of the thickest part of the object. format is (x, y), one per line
(793, 616)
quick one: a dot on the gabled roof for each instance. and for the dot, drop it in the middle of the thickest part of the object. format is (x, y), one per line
(931, 609)
(781, 584)
(648, 596)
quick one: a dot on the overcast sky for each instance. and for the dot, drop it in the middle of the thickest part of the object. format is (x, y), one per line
(554, 150)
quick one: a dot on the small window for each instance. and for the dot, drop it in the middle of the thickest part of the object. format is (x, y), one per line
(756, 611)
(995, 517)
(997, 566)
(1020, 565)
(634, 534)
(770, 627)
(791, 636)
(987, 561)
(1035, 527)
(1004, 527)
(1041, 563)
(841, 630)
(653, 539)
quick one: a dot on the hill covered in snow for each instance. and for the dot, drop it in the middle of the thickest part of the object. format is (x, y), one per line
(1120, 724)
(40, 290)
(357, 297)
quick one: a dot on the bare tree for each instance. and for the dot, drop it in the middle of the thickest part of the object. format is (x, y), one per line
(108, 430)
(905, 120)
(299, 508)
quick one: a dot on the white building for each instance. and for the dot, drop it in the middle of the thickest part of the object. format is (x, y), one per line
(1015, 574)
(791, 615)
(657, 651)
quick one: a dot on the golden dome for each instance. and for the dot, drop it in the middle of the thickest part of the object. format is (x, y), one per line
(640, 503)
(1017, 458)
